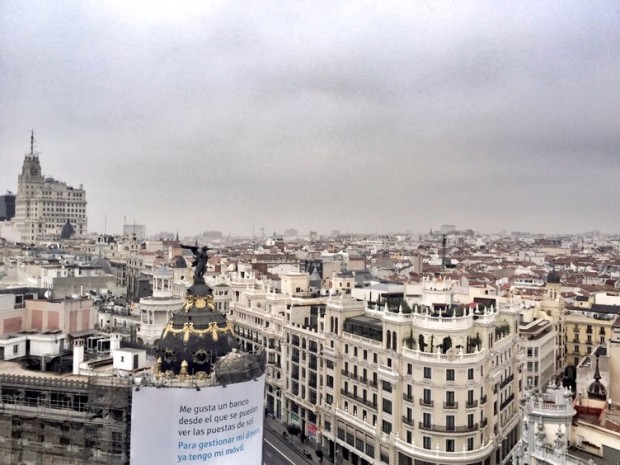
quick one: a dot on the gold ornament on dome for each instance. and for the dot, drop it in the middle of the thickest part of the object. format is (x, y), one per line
(199, 302)
(188, 329)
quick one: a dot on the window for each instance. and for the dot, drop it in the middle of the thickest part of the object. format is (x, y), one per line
(449, 374)
(386, 427)
(370, 450)
(449, 445)
(15, 349)
(450, 397)
(450, 422)
(409, 437)
(426, 442)
(427, 397)
(387, 406)
(470, 443)
(374, 358)
(409, 368)
(359, 444)
(427, 373)
(387, 386)
(426, 420)
(470, 373)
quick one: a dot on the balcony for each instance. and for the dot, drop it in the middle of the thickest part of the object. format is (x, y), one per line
(408, 398)
(506, 381)
(352, 419)
(408, 421)
(426, 403)
(484, 422)
(358, 399)
(508, 400)
(388, 373)
(441, 359)
(483, 400)
(438, 456)
(471, 404)
(450, 405)
(447, 429)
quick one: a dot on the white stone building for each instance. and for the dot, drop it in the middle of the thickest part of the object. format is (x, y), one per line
(44, 205)
(370, 384)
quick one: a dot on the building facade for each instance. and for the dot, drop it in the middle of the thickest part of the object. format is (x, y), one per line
(388, 384)
(43, 205)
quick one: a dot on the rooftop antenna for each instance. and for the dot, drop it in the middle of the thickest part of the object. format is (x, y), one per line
(443, 252)
(32, 143)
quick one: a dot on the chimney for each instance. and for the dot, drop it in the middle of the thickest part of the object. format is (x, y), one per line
(78, 355)
(115, 342)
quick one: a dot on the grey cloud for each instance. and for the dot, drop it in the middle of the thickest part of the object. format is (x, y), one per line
(350, 115)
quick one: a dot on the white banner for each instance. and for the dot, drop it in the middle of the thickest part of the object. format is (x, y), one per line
(182, 426)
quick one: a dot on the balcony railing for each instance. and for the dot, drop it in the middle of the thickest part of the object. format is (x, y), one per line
(408, 398)
(484, 422)
(408, 421)
(426, 402)
(450, 405)
(509, 399)
(507, 381)
(483, 400)
(447, 429)
(358, 399)
(471, 404)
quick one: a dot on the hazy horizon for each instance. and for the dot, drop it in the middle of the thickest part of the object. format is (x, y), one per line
(354, 115)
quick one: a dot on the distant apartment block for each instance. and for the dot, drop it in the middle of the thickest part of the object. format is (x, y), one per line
(137, 230)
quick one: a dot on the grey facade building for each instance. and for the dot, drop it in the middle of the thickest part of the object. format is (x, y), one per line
(7, 206)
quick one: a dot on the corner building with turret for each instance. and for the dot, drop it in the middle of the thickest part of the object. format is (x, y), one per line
(397, 381)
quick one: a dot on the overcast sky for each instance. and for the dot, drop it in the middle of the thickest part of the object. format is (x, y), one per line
(358, 116)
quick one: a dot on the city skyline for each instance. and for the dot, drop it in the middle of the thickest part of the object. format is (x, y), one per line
(356, 116)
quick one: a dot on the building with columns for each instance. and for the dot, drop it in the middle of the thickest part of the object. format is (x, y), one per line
(156, 311)
(44, 205)
(435, 382)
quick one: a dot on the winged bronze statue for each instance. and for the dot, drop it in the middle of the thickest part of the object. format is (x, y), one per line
(200, 261)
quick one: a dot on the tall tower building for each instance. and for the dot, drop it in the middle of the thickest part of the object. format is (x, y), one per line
(43, 205)
(553, 305)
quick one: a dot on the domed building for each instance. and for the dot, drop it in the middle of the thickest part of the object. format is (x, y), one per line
(213, 394)
(198, 337)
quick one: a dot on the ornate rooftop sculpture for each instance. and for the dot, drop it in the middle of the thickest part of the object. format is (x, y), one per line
(199, 341)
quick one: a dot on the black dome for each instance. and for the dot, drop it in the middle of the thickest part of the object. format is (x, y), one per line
(196, 336)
